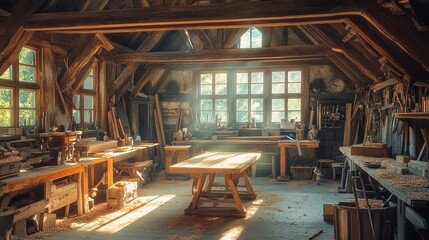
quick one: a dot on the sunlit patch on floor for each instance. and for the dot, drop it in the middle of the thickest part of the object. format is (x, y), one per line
(232, 233)
(252, 209)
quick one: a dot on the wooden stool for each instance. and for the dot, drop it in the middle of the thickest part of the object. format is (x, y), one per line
(139, 170)
(173, 155)
(335, 166)
(273, 164)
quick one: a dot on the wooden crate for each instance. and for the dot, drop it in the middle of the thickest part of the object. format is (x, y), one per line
(121, 193)
(380, 152)
(301, 172)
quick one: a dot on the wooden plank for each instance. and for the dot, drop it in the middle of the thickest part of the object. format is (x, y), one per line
(158, 112)
(207, 43)
(347, 124)
(115, 123)
(385, 84)
(82, 74)
(283, 53)
(416, 219)
(252, 14)
(143, 80)
(31, 209)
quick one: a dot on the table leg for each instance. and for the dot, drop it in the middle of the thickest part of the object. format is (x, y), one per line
(229, 178)
(197, 191)
(210, 183)
(283, 166)
(248, 185)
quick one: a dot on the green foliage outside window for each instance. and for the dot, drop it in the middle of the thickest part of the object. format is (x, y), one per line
(5, 107)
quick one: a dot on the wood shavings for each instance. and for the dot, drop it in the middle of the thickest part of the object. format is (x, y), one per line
(386, 174)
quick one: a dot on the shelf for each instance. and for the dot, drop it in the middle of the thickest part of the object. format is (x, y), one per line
(412, 115)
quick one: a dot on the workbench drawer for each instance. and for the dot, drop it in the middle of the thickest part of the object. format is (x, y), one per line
(61, 196)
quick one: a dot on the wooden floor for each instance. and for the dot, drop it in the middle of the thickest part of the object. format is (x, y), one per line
(291, 210)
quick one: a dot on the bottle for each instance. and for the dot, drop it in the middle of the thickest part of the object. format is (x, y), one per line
(179, 135)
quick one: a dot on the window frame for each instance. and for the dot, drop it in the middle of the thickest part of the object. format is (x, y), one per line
(267, 96)
(213, 97)
(16, 85)
(81, 93)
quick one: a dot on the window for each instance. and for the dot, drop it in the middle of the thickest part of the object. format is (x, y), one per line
(252, 38)
(238, 96)
(83, 112)
(213, 93)
(249, 105)
(18, 91)
(286, 95)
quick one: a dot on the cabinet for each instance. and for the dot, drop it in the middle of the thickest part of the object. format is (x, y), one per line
(331, 120)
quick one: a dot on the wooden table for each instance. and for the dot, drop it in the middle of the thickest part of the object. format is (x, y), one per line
(173, 155)
(232, 165)
(412, 202)
(55, 196)
(283, 144)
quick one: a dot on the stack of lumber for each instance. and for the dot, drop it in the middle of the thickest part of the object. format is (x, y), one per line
(121, 193)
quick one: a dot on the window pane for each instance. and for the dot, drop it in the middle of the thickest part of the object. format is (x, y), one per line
(257, 104)
(242, 78)
(5, 98)
(257, 89)
(76, 101)
(277, 116)
(242, 88)
(206, 89)
(27, 56)
(221, 104)
(76, 116)
(88, 102)
(7, 75)
(223, 116)
(89, 81)
(206, 116)
(245, 40)
(278, 104)
(294, 115)
(26, 74)
(259, 116)
(220, 78)
(278, 77)
(88, 116)
(278, 88)
(242, 117)
(220, 89)
(27, 99)
(206, 79)
(5, 117)
(206, 105)
(294, 104)
(256, 38)
(29, 115)
(294, 76)
(294, 87)
(257, 77)
(242, 105)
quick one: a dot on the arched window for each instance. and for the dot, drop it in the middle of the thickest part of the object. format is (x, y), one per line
(252, 38)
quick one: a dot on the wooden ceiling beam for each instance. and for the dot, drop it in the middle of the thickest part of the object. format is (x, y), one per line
(152, 74)
(85, 54)
(398, 29)
(228, 55)
(302, 35)
(332, 39)
(348, 69)
(387, 48)
(83, 74)
(233, 37)
(207, 43)
(187, 40)
(146, 46)
(259, 14)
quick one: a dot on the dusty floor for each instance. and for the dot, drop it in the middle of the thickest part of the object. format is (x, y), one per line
(291, 210)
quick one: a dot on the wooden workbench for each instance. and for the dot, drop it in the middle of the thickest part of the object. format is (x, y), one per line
(199, 146)
(283, 145)
(413, 201)
(55, 196)
(233, 165)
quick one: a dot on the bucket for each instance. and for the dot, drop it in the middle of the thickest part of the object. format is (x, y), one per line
(345, 220)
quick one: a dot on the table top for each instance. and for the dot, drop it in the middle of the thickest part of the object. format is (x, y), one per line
(36, 176)
(217, 162)
(178, 147)
(302, 143)
(394, 182)
(228, 142)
